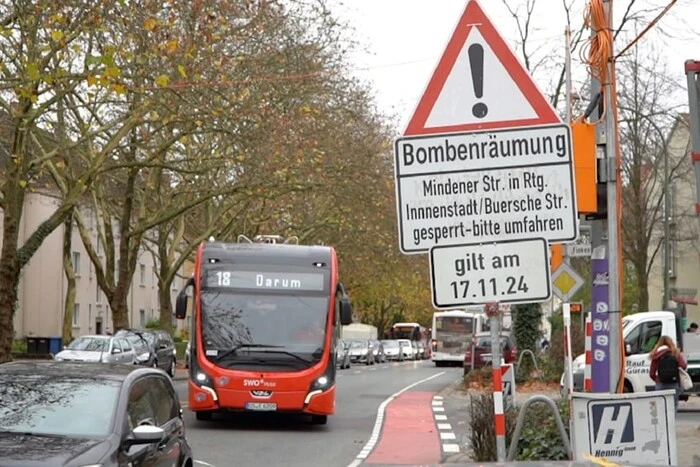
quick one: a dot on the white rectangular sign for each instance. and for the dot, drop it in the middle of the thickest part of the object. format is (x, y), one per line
(632, 428)
(507, 272)
(494, 185)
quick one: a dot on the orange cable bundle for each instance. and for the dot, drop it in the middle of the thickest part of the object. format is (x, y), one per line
(597, 53)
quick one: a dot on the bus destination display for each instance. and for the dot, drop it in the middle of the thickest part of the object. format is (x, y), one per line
(264, 280)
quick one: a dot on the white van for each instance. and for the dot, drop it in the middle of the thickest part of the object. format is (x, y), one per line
(641, 332)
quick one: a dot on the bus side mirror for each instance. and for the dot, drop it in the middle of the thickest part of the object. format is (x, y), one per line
(181, 300)
(345, 311)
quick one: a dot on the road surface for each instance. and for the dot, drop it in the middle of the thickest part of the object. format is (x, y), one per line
(409, 435)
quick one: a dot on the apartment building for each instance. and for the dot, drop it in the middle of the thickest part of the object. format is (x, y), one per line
(42, 289)
(684, 261)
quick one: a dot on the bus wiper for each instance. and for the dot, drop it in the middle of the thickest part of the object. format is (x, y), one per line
(284, 352)
(233, 350)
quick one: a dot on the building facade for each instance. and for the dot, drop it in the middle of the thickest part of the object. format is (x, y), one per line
(42, 289)
(683, 268)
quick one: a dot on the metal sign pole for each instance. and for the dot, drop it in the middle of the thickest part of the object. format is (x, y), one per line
(493, 312)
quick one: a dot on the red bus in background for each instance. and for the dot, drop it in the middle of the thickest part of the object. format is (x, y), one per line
(267, 317)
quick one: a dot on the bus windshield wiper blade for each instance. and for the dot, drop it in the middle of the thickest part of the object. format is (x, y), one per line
(233, 350)
(284, 352)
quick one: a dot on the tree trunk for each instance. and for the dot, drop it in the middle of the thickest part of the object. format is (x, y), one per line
(9, 282)
(643, 287)
(10, 265)
(166, 307)
(120, 307)
(69, 302)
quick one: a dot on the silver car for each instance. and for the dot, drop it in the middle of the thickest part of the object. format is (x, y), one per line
(98, 348)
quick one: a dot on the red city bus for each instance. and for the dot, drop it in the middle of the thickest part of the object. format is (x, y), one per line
(267, 317)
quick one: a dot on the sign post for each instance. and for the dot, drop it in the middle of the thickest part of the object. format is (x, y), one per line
(485, 181)
(493, 311)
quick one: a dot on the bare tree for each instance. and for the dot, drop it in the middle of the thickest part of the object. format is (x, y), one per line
(645, 119)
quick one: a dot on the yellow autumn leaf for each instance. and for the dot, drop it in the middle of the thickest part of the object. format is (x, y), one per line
(162, 80)
(172, 46)
(23, 183)
(150, 24)
(182, 71)
(91, 80)
(112, 72)
(119, 88)
(60, 164)
(57, 35)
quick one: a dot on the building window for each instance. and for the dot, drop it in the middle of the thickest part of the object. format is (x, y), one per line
(76, 263)
(97, 292)
(142, 273)
(142, 318)
(76, 315)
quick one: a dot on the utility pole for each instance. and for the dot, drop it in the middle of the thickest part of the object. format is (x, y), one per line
(614, 305)
(598, 226)
(667, 233)
(692, 72)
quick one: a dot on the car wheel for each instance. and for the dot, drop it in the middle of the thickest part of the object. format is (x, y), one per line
(203, 415)
(171, 368)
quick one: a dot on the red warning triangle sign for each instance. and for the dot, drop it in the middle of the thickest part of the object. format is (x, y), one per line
(479, 84)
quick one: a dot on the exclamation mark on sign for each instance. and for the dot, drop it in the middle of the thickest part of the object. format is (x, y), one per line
(476, 63)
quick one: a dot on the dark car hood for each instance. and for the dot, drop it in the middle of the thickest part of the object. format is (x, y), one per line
(18, 450)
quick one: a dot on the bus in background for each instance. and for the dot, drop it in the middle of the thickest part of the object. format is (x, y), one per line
(411, 331)
(267, 319)
(452, 333)
(414, 332)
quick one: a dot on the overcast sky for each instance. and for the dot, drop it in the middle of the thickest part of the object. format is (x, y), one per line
(404, 39)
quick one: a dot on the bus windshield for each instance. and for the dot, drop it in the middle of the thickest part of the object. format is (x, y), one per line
(406, 332)
(243, 330)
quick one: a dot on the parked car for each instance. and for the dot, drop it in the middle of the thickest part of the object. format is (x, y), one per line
(361, 351)
(88, 414)
(342, 352)
(378, 350)
(423, 351)
(98, 348)
(392, 350)
(407, 349)
(161, 345)
(144, 355)
(481, 343)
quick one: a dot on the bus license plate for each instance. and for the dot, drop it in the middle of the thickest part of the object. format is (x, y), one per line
(262, 406)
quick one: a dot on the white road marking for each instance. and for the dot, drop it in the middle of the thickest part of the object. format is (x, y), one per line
(379, 421)
(206, 464)
(444, 435)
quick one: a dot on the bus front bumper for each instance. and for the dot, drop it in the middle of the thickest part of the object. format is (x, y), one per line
(317, 402)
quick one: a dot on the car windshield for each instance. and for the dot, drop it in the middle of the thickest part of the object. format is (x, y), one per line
(357, 344)
(237, 328)
(485, 341)
(137, 341)
(57, 406)
(89, 343)
(390, 343)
